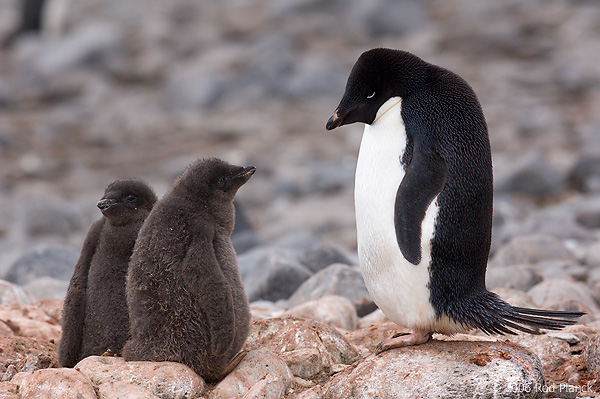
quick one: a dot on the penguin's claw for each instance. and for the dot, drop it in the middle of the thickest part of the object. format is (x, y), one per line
(402, 339)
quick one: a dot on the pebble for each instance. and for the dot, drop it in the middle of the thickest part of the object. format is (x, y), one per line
(271, 274)
(591, 355)
(47, 288)
(46, 260)
(585, 173)
(337, 279)
(333, 310)
(520, 277)
(565, 295)
(13, 294)
(46, 218)
(530, 175)
(531, 249)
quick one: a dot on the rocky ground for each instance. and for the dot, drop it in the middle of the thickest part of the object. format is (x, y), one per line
(143, 87)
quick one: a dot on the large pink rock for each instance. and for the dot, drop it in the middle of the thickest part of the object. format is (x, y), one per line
(25, 354)
(8, 390)
(163, 379)
(439, 369)
(124, 390)
(260, 374)
(309, 348)
(591, 356)
(370, 337)
(30, 321)
(54, 384)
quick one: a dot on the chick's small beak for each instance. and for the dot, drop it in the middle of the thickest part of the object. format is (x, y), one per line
(105, 203)
(334, 121)
(248, 171)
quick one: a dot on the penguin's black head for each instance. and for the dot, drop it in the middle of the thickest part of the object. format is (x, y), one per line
(378, 75)
(215, 179)
(126, 201)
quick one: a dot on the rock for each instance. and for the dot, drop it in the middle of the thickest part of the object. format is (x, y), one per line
(244, 241)
(591, 356)
(440, 369)
(375, 317)
(124, 390)
(337, 279)
(314, 253)
(164, 379)
(520, 277)
(321, 255)
(271, 274)
(47, 288)
(259, 373)
(369, 337)
(270, 387)
(45, 217)
(561, 270)
(309, 348)
(556, 221)
(333, 310)
(51, 261)
(54, 384)
(592, 256)
(515, 297)
(531, 249)
(565, 295)
(30, 321)
(13, 294)
(530, 175)
(264, 309)
(552, 352)
(589, 216)
(25, 354)
(8, 390)
(52, 307)
(91, 46)
(585, 174)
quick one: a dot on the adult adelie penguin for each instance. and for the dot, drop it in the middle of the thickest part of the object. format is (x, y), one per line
(186, 299)
(423, 199)
(95, 316)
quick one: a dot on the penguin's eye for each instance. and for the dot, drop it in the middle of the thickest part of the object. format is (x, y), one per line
(222, 180)
(372, 95)
(130, 198)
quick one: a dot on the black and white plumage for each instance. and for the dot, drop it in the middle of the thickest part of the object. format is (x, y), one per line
(423, 199)
(95, 316)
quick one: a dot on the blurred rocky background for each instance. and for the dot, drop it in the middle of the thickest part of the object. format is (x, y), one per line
(141, 88)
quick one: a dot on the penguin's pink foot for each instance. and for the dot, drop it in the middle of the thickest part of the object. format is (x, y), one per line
(417, 337)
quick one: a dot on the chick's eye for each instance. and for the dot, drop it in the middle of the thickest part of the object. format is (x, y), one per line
(131, 198)
(222, 180)
(371, 95)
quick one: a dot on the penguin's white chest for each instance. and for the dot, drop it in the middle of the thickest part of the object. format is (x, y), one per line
(398, 287)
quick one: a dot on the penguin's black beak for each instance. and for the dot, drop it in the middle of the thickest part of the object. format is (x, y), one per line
(247, 172)
(106, 203)
(335, 121)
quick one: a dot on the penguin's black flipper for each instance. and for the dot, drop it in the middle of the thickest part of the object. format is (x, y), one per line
(424, 179)
(215, 299)
(75, 300)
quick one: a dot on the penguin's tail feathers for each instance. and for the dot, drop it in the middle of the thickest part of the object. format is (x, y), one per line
(498, 317)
